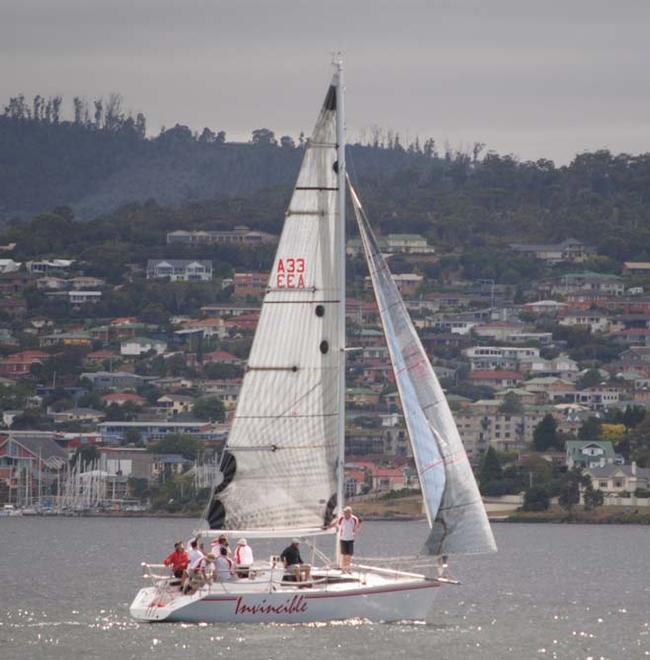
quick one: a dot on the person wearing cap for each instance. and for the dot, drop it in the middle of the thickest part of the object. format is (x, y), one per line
(293, 562)
(347, 526)
(243, 558)
(178, 560)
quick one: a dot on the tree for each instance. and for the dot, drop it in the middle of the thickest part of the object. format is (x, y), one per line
(177, 443)
(263, 136)
(590, 430)
(209, 409)
(590, 378)
(592, 497)
(536, 498)
(491, 469)
(86, 454)
(511, 405)
(545, 435)
(570, 491)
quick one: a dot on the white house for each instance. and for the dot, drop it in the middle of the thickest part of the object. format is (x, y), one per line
(180, 270)
(136, 346)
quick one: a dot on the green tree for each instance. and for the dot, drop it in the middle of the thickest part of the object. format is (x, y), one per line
(491, 468)
(511, 405)
(570, 492)
(592, 497)
(591, 378)
(536, 498)
(590, 430)
(545, 435)
(209, 409)
(178, 443)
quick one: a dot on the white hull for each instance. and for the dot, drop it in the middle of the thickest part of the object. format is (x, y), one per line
(378, 599)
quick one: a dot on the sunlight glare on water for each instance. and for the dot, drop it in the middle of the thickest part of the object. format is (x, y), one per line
(552, 591)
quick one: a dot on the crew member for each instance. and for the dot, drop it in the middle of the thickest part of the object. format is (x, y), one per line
(347, 526)
(243, 558)
(293, 562)
(178, 560)
(224, 567)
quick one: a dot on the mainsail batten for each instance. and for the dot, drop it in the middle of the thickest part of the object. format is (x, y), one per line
(280, 460)
(454, 507)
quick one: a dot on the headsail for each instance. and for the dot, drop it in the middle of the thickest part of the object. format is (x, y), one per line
(280, 462)
(454, 507)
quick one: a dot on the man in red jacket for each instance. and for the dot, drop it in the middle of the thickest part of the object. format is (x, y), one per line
(178, 560)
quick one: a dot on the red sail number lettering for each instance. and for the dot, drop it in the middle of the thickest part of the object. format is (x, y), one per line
(291, 273)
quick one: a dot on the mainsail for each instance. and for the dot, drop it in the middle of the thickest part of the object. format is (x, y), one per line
(454, 507)
(281, 459)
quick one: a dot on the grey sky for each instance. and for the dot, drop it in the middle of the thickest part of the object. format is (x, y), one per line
(538, 79)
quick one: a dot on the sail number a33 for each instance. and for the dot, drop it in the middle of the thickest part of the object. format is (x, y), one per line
(290, 273)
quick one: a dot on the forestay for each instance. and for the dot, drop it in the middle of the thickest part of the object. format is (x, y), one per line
(280, 461)
(454, 507)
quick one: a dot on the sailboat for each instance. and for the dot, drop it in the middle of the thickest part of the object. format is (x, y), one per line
(282, 470)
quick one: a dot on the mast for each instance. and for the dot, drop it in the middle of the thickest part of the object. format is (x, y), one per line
(340, 147)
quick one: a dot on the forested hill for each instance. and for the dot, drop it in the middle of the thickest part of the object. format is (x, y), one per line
(96, 164)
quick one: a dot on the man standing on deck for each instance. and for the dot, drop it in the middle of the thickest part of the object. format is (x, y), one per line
(347, 526)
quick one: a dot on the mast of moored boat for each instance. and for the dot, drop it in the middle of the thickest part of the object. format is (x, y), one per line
(340, 146)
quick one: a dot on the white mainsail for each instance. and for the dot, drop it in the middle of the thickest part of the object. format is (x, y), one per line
(281, 459)
(453, 503)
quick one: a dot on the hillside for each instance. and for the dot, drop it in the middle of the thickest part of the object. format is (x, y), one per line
(457, 200)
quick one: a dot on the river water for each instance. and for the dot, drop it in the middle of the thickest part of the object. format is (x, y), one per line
(552, 591)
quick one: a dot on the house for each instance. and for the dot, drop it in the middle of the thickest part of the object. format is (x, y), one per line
(636, 267)
(132, 462)
(591, 453)
(121, 398)
(227, 389)
(569, 250)
(137, 346)
(29, 460)
(112, 380)
(210, 327)
(228, 309)
(221, 357)
(66, 339)
(174, 404)
(77, 415)
(249, 285)
(76, 297)
(240, 235)
(497, 378)
(19, 365)
(165, 465)
(355, 482)
(361, 397)
(407, 244)
(499, 357)
(614, 478)
(101, 356)
(387, 479)
(51, 283)
(9, 266)
(180, 270)
(588, 282)
(544, 307)
(595, 321)
(154, 430)
(49, 266)
(632, 336)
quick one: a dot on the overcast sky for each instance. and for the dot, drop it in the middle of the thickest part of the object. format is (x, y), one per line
(548, 78)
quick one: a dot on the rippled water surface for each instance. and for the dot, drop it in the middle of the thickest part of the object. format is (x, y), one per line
(552, 591)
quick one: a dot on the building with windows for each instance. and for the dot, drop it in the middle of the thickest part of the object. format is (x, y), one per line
(180, 270)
